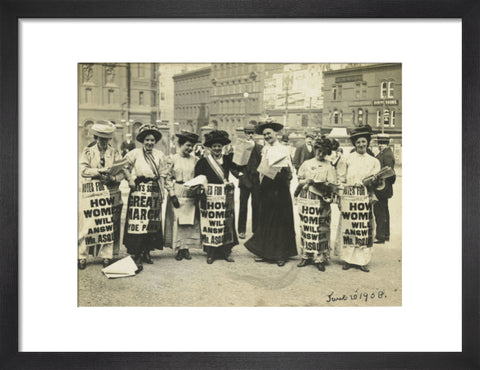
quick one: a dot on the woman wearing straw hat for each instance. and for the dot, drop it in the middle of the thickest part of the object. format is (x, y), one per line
(143, 225)
(182, 219)
(274, 239)
(99, 184)
(217, 241)
(355, 237)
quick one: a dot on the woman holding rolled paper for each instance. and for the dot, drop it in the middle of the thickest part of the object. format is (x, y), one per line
(217, 206)
(316, 182)
(355, 236)
(274, 239)
(182, 219)
(143, 224)
(100, 194)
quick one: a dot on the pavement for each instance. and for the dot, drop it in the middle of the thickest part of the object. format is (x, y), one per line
(246, 283)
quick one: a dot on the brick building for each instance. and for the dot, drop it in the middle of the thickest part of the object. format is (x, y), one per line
(369, 94)
(124, 93)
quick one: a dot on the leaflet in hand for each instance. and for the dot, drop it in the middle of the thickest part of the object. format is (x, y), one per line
(199, 180)
(242, 152)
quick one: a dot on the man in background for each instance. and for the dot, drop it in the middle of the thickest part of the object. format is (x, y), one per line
(304, 152)
(127, 145)
(249, 183)
(384, 192)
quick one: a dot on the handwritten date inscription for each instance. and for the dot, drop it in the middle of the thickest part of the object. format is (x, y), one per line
(356, 296)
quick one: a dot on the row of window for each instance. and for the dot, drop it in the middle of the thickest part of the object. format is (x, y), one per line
(192, 96)
(236, 88)
(229, 69)
(235, 106)
(360, 117)
(386, 90)
(111, 97)
(193, 111)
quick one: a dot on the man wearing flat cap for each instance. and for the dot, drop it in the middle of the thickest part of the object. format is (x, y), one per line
(384, 193)
(305, 152)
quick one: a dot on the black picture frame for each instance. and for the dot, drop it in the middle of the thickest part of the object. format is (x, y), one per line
(12, 10)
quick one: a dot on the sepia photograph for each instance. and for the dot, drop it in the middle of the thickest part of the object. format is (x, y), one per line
(239, 184)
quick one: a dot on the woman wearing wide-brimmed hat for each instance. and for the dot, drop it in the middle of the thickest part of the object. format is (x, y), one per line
(143, 225)
(355, 237)
(274, 239)
(316, 181)
(216, 168)
(99, 184)
(182, 219)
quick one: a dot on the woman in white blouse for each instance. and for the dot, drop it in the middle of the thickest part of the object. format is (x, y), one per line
(143, 226)
(353, 246)
(182, 219)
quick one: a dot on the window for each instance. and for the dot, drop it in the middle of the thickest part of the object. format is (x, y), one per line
(364, 90)
(392, 118)
(360, 116)
(111, 96)
(88, 95)
(304, 120)
(162, 96)
(366, 116)
(353, 117)
(390, 89)
(357, 91)
(379, 116)
(334, 93)
(140, 98)
(383, 90)
(335, 117)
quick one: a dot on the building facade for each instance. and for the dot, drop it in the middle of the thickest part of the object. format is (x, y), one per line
(123, 93)
(166, 88)
(368, 94)
(237, 94)
(192, 99)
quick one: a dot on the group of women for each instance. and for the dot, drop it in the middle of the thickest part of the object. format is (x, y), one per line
(151, 174)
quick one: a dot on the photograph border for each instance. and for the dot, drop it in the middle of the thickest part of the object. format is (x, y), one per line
(11, 11)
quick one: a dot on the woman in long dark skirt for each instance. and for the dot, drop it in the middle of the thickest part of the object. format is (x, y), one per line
(143, 224)
(274, 239)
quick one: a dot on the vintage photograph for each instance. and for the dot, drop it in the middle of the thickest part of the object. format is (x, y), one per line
(239, 184)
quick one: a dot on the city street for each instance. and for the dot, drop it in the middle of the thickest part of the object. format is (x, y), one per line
(247, 283)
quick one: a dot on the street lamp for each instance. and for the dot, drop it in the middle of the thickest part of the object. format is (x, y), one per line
(245, 96)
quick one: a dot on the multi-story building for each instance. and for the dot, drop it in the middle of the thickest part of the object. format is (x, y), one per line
(123, 93)
(166, 88)
(369, 94)
(192, 98)
(237, 93)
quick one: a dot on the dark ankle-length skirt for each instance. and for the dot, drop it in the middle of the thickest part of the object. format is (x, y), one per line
(274, 238)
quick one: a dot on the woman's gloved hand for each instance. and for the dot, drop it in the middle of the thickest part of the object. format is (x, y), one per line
(175, 201)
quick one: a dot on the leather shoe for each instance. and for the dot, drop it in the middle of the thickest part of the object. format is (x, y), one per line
(280, 263)
(321, 267)
(106, 262)
(303, 262)
(229, 259)
(364, 268)
(210, 260)
(260, 259)
(139, 268)
(179, 255)
(241, 235)
(186, 254)
(82, 263)
(379, 241)
(346, 266)
(147, 258)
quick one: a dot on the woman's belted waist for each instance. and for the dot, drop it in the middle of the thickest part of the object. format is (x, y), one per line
(143, 179)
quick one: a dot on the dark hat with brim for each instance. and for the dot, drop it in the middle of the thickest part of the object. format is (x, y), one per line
(216, 137)
(146, 130)
(105, 129)
(383, 139)
(188, 136)
(310, 135)
(364, 131)
(268, 124)
(250, 126)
